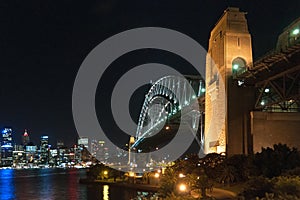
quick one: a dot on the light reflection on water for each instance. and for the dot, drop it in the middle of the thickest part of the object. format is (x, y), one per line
(52, 184)
(7, 188)
(105, 192)
(43, 184)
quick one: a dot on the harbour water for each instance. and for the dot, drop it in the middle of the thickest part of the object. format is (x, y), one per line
(52, 184)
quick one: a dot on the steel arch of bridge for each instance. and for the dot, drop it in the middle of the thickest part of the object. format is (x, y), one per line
(161, 102)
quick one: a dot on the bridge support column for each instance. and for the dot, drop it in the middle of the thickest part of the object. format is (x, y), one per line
(227, 106)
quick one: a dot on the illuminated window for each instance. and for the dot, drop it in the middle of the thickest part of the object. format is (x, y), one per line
(238, 65)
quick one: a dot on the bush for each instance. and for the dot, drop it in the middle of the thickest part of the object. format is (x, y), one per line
(292, 172)
(280, 197)
(287, 186)
(257, 187)
(280, 188)
(274, 162)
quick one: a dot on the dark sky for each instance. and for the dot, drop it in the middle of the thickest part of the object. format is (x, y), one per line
(43, 43)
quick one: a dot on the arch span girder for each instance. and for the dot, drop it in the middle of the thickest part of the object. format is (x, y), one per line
(172, 93)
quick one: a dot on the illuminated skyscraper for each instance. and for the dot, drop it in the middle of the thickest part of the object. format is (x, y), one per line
(84, 145)
(25, 138)
(44, 150)
(6, 147)
(94, 147)
(84, 142)
(60, 144)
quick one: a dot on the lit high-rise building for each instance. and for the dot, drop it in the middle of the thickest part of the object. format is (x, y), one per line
(60, 144)
(84, 145)
(94, 147)
(7, 147)
(84, 142)
(31, 153)
(25, 138)
(44, 150)
(99, 150)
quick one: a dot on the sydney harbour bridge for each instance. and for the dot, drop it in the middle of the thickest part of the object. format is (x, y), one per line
(172, 100)
(260, 103)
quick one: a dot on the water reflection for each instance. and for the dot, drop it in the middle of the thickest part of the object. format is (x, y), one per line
(105, 192)
(72, 185)
(45, 180)
(41, 184)
(36, 184)
(7, 188)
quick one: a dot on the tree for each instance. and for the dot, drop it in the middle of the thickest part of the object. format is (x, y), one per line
(186, 165)
(212, 163)
(243, 167)
(167, 183)
(273, 162)
(199, 183)
(228, 174)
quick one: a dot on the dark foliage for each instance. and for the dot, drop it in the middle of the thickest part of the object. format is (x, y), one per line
(257, 187)
(211, 164)
(273, 162)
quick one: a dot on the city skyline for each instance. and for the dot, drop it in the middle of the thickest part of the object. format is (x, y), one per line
(44, 45)
(27, 141)
(150, 100)
(44, 154)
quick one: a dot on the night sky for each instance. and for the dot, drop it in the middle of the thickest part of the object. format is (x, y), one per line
(43, 43)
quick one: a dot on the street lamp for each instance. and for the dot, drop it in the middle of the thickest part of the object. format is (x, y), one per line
(182, 188)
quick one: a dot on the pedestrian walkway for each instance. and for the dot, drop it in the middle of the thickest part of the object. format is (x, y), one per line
(219, 193)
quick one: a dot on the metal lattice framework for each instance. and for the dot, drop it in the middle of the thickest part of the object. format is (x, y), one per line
(166, 98)
(276, 77)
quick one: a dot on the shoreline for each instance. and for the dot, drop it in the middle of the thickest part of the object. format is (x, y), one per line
(143, 187)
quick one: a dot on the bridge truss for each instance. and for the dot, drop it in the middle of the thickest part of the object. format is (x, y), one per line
(169, 98)
(276, 78)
